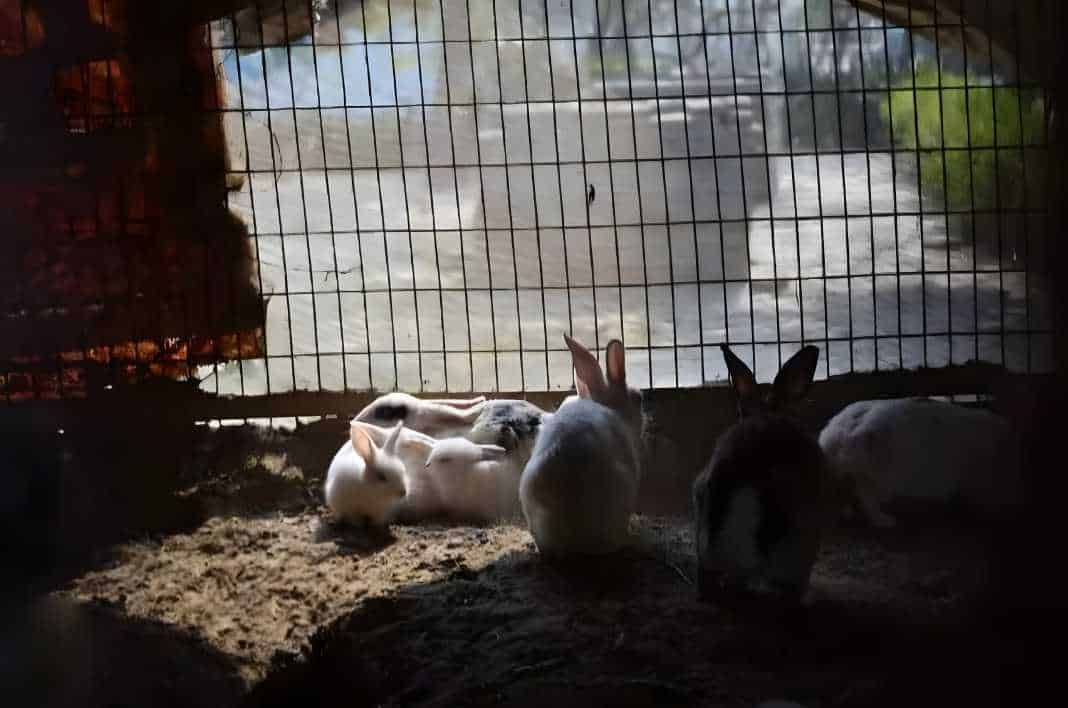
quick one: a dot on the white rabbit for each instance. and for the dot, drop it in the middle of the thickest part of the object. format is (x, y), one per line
(921, 449)
(570, 399)
(580, 486)
(436, 417)
(478, 482)
(422, 496)
(411, 447)
(364, 481)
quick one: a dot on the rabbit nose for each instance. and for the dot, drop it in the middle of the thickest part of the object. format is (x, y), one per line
(427, 465)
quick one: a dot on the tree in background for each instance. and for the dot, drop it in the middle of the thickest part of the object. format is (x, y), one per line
(973, 142)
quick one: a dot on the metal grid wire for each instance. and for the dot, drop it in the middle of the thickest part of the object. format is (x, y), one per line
(437, 189)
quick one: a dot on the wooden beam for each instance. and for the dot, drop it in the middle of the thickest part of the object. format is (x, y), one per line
(178, 403)
(1007, 30)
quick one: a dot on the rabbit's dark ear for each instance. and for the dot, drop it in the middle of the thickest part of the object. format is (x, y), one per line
(615, 359)
(742, 380)
(796, 375)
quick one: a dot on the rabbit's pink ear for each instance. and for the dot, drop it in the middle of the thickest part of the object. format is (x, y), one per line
(471, 413)
(444, 416)
(742, 380)
(418, 444)
(363, 444)
(796, 375)
(461, 403)
(616, 363)
(589, 381)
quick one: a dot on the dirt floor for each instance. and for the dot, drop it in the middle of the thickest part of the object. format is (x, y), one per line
(298, 609)
(259, 600)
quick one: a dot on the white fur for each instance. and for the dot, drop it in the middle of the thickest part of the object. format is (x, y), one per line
(412, 447)
(435, 417)
(422, 497)
(570, 399)
(919, 449)
(364, 482)
(478, 482)
(580, 486)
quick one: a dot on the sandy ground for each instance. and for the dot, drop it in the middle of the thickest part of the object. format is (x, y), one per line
(255, 588)
(258, 600)
(293, 609)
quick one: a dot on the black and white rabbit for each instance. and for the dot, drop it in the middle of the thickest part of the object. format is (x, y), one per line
(513, 424)
(436, 417)
(764, 499)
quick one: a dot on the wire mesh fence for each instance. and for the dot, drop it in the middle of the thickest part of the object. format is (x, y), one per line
(435, 190)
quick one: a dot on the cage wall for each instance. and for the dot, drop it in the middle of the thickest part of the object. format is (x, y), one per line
(435, 190)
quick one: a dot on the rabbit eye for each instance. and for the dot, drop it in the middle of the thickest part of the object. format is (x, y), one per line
(380, 476)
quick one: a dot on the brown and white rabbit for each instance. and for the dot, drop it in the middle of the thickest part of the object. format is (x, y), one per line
(764, 499)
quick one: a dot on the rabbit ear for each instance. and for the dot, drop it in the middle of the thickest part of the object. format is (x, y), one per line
(460, 403)
(492, 452)
(616, 364)
(435, 414)
(742, 380)
(471, 413)
(418, 443)
(391, 441)
(589, 381)
(363, 444)
(796, 374)
(453, 415)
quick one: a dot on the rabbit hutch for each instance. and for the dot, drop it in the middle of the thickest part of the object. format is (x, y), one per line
(231, 225)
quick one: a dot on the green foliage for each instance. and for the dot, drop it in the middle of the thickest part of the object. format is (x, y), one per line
(991, 123)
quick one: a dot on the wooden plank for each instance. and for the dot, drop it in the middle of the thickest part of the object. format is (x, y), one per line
(682, 425)
(176, 403)
(987, 27)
